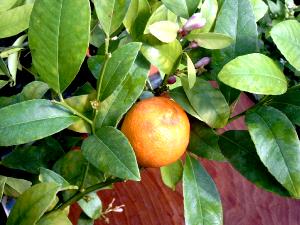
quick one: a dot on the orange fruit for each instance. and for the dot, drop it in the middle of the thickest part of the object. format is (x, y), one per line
(158, 130)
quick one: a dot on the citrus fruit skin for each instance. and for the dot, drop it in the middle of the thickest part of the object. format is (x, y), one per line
(158, 130)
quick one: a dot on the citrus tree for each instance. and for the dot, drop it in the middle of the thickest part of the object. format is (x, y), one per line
(70, 70)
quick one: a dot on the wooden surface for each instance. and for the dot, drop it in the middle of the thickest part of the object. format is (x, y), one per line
(149, 202)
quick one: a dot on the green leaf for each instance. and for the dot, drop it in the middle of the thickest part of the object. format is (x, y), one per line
(9, 50)
(255, 73)
(7, 4)
(180, 97)
(286, 36)
(208, 102)
(65, 25)
(230, 94)
(239, 149)
(15, 187)
(160, 14)
(95, 64)
(48, 176)
(158, 54)
(91, 205)
(85, 220)
(32, 204)
(235, 19)
(31, 158)
(164, 31)
(259, 8)
(172, 174)
(109, 151)
(13, 59)
(72, 166)
(16, 20)
(118, 67)
(202, 204)
(204, 142)
(136, 18)
(3, 83)
(55, 218)
(191, 71)
(289, 104)
(2, 184)
(277, 145)
(33, 90)
(32, 120)
(211, 40)
(119, 102)
(183, 8)
(209, 11)
(111, 14)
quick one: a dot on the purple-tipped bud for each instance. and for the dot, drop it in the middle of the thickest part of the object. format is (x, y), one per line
(196, 21)
(171, 79)
(202, 62)
(193, 44)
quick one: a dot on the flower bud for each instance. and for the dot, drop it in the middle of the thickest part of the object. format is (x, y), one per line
(194, 22)
(193, 44)
(202, 62)
(171, 79)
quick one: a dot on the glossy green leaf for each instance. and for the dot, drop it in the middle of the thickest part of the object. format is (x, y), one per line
(16, 20)
(236, 19)
(239, 149)
(10, 50)
(33, 90)
(65, 25)
(15, 187)
(209, 11)
(3, 68)
(183, 8)
(286, 36)
(289, 104)
(32, 120)
(48, 176)
(85, 220)
(2, 184)
(171, 174)
(191, 71)
(31, 158)
(204, 142)
(202, 203)
(136, 18)
(180, 97)
(277, 145)
(260, 8)
(3, 83)
(255, 73)
(230, 94)
(160, 14)
(165, 56)
(211, 40)
(111, 14)
(119, 102)
(13, 59)
(208, 102)
(95, 64)
(118, 67)
(32, 204)
(109, 151)
(55, 218)
(164, 31)
(7, 4)
(91, 205)
(72, 166)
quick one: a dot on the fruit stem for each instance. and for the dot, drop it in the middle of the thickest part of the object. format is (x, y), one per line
(107, 56)
(86, 169)
(90, 189)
